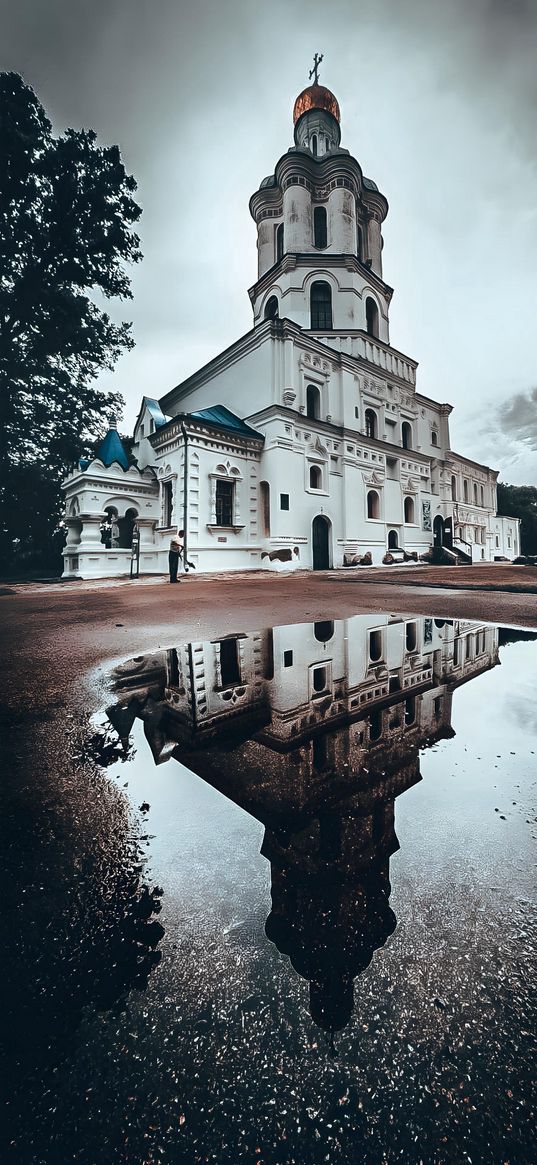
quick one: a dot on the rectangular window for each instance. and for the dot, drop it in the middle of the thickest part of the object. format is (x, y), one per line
(224, 503)
(229, 662)
(168, 503)
(288, 659)
(284, 501)
(319, 679)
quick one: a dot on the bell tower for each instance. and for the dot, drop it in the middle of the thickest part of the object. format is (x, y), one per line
(319, 230)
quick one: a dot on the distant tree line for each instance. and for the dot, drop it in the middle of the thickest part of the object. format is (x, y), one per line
(66, 236)
(520, 501)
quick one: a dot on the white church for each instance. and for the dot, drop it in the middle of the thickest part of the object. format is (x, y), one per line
(305, 444)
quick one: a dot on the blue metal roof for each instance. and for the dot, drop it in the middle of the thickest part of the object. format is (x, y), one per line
(111, 449)
(155, 412)
(221, 417)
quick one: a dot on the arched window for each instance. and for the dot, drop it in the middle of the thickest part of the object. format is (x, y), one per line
(110, 528)
(411, 636)
(370, 423)
(371, 317)
(375, 646)
(319, 227)
(393, 540)
(434, 437)
(454, 489)
(321, 306)
(271, 308)
(475, 493)
(359, 244)
(126, 526)
(482, 496)
(465, 489)
(314, 144)
(323, 630)
(313, 402)
(406, 435)
(373, 504)
(409, 510)
(316, 477)
(279, 242)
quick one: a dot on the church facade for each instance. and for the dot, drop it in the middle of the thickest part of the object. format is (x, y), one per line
(306, 443)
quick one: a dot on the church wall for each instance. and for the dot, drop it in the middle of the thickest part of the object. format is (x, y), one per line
(287, 472)
(244, 384)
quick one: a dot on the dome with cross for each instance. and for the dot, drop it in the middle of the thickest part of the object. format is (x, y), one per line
(316, 97)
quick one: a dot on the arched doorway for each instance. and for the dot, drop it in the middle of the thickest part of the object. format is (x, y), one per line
(126, 526)
(438, 531)
(321, 542)
(393, 540)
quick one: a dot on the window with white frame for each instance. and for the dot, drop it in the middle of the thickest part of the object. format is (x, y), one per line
(373, 504)
(167, 503)
(225, 493)
(316, 477)
(409, 510)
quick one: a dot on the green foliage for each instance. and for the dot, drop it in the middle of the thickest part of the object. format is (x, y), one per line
(66, 216)
(520, 501)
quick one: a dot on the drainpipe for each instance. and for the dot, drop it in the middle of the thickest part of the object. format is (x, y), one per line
(185, 494)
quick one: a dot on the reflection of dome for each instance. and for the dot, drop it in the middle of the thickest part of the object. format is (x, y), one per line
(316, 97)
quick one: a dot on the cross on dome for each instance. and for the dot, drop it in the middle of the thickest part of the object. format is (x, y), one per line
(315, 71)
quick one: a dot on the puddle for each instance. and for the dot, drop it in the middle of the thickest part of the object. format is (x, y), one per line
(340, 819)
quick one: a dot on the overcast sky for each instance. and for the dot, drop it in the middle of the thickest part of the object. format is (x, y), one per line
(439, 105)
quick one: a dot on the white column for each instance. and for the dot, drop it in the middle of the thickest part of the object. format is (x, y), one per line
(90, 537)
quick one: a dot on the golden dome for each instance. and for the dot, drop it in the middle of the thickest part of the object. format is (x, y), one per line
(316, 97)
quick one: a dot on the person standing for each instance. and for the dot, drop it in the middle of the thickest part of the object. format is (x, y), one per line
(186, 564)
(176, 549)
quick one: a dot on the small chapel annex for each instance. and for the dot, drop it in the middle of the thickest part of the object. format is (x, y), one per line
(305, 444)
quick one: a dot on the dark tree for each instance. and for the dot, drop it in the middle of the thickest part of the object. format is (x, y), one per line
(520, 501)
(66, 216)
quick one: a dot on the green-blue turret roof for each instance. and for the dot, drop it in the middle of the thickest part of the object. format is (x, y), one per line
(112, 449)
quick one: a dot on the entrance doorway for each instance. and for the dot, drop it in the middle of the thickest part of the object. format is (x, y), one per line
(438, 531)
(321, 542)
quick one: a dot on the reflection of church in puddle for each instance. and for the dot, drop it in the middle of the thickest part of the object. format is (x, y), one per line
(314, 729)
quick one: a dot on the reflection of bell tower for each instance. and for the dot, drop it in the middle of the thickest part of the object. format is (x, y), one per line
(330, 898)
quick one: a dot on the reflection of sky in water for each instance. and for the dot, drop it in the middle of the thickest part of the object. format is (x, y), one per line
(436, 1051)
(449, 820)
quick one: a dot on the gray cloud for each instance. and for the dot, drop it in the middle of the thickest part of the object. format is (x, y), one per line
(517, 418)
(439, 104)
